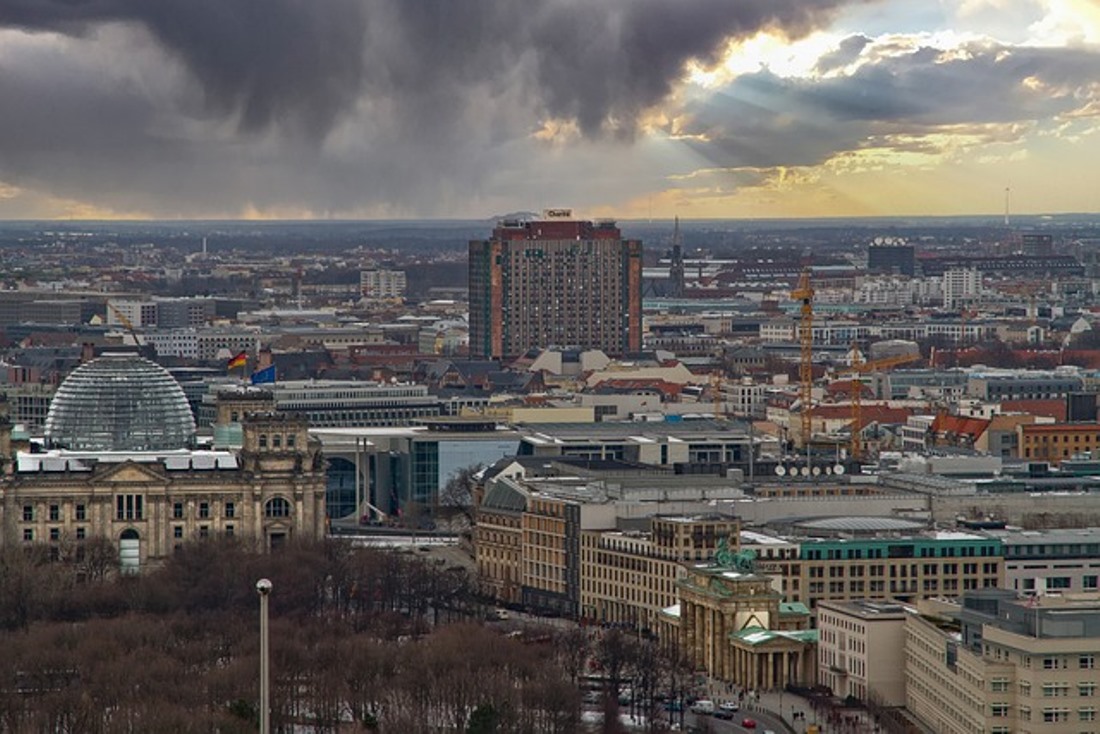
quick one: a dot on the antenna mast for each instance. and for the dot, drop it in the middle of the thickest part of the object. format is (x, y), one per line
(676, 269)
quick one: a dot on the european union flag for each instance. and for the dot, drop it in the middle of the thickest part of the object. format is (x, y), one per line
(267, 374)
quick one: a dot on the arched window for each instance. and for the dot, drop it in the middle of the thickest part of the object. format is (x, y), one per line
(263, 440)
(277, 441)
(290, 441)
(277, 507)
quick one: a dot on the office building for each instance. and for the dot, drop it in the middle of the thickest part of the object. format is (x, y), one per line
(999, 664)
(861, 651)
(886, 566)
(1056, 442)
(891, 258)
(1051, 561)
(555, 282)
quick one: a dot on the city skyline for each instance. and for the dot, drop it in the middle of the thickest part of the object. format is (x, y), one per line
(702, 109)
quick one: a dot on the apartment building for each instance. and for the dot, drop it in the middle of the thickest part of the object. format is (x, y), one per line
(999, 663)
(382, 284)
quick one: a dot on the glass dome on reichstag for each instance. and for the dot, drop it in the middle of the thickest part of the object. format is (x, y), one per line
(120, 402)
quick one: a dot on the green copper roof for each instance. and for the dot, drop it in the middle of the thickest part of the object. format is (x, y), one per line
(758, 635)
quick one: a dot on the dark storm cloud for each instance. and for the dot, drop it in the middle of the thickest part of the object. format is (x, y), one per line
(294, 61)
(410, 106)
(307, 61)
(762, 119)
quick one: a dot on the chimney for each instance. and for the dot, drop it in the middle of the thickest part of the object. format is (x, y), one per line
(87, 352)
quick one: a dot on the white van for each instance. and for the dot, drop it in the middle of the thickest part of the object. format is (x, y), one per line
(702, 706)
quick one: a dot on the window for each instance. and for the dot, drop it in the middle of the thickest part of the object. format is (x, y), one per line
(177, 510)
(81, 533)
(204, 531)
(1086, 690)
(81, 513)
(263, 440)
(28, 534)
(55, 534)
(1055, 689)
(1086, 713)
(277, 507)
(999, 685)
(177, 531)
(229, 530)
(277, 441)
(230, 509)
(1055, 715)
(55, 513)
(290, 443)
(28, 513)
(1086, 662)
(129, 507)
(204, 510)
(999, 710)
(1058, 582)
(1089, 582)
(1051, 663)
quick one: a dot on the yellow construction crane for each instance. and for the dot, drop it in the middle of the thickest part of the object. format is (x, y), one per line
(125, 321)
(804, 294)
(856, 371)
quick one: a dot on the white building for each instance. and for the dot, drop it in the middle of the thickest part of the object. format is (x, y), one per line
(138, 313)
(382, 284)
(1051, 562)
(961, 286)
(861, 651)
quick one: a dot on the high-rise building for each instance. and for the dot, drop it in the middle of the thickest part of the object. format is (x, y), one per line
(557, 281)
(891, 257)
(382, 284)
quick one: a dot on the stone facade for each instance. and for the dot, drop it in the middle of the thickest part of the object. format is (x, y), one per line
(149, 503)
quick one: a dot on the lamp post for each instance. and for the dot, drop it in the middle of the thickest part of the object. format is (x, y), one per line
(263, 588)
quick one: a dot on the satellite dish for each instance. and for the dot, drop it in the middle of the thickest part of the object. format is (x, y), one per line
(816, 471)
(780, 470)
(805, 471)
(838, 469)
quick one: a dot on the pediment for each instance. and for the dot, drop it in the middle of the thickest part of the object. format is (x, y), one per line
(131, 472)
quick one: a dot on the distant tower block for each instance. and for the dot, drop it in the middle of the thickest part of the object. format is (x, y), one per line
(555, 281)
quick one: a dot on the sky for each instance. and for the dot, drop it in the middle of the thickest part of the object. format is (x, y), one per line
(362, 109)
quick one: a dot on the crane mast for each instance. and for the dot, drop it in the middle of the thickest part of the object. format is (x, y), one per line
(857, 370)
(804, 294)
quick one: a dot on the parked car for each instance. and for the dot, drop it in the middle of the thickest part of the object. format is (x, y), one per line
(730, 706)
(703, 706)
(747, 723)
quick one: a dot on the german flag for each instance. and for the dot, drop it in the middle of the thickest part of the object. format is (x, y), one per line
(238, 361)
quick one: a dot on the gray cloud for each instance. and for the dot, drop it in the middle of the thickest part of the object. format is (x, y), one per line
(305, 62)
(846, 52)
(762, 119)
(184, 107)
